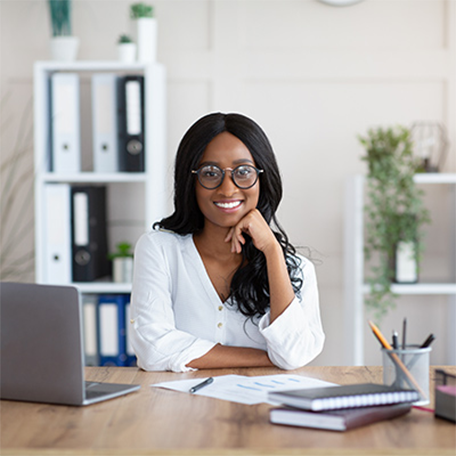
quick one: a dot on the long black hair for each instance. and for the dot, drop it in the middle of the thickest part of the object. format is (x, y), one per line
(249, 289)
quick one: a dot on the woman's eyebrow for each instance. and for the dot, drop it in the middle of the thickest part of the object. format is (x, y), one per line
(235, 162)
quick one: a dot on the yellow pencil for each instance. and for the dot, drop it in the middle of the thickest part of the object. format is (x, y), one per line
(395, 358)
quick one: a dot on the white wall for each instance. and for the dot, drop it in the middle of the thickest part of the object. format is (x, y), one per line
(312, 75)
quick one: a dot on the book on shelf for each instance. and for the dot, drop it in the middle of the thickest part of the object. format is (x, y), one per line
(344, 396)
(337, 420)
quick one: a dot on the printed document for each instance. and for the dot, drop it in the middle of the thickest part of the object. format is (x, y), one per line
(245, 390)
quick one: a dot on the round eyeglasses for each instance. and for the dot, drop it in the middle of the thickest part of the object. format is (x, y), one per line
(243, 176)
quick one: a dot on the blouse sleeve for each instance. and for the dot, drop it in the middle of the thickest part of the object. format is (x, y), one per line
(296, 337)
(158, 344)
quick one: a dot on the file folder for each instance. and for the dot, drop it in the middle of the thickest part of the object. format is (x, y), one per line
(89, 234)
(65, 123)
(130, 359)
(57, 234)
(104, 120)
(90, 329)
(111, 330)
(131, 123)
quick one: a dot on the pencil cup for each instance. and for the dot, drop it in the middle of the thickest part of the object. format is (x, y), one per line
(408, 368)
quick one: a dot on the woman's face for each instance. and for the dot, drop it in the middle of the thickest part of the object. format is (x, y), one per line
(227, 204)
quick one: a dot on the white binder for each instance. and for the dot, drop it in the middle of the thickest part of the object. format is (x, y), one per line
(57, 237)
(104, 116)
(65, 123)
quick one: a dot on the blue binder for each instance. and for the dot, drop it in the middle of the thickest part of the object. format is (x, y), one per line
(111, 330)
(130, 354)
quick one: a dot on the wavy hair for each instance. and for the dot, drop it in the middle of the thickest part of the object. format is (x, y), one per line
(249, 289)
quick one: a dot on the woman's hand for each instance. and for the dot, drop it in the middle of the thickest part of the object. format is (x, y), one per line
(256, 227)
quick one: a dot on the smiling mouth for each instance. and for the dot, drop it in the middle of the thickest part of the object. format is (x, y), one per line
(228, 205)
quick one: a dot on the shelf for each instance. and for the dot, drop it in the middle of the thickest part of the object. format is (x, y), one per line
(103, 287)
(91, 65)
(420, 289)
(435, 178)
(95, 177)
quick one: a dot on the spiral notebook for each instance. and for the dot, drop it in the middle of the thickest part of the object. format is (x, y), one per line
(344, 396)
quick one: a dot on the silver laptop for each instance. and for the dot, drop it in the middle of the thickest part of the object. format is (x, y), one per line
(41, 347)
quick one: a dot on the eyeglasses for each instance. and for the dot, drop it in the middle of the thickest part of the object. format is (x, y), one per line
(243, 176)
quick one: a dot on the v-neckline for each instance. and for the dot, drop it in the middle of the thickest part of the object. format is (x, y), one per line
(204, 275)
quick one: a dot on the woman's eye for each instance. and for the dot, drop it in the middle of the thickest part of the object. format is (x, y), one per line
(244, 172)
(210, 172)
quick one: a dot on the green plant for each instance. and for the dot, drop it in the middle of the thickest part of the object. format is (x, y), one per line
(139, 10)
(124, 39)
(60, 11)
(123, 251)
(395, 211)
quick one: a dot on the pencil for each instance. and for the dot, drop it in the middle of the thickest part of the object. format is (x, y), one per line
(395, 358)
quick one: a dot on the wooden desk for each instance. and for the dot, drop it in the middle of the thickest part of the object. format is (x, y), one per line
(158, 421)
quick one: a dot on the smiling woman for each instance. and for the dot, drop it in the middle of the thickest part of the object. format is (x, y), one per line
(217, 283)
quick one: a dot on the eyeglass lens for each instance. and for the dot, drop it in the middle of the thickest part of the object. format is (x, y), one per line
(211, 176)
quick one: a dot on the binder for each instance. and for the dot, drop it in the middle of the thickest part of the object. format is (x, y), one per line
(130, 359)
(111, 330)
(131, 123)
(57, 234)
(90, 330)
(104, 121)
(89, 234)
(65, 123)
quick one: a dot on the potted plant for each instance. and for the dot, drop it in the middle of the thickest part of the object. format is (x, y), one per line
(126, 49)
(122, 263)
(64, 46)
(146, 26)
(395, 214)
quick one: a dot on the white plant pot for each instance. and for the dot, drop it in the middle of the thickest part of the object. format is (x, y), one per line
(64, 48)
(122, 270)
(127, 52)
(147, 29)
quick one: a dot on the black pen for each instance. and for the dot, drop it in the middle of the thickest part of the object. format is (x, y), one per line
(395, 343)
(206, 382)
(428, 341)
(404, 333)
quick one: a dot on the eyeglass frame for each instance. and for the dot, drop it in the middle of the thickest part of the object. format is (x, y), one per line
(258, 172)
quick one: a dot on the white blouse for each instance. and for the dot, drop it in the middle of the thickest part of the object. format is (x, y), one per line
(178, 316)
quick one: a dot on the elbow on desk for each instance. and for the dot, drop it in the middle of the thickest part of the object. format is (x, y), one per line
(299, 356)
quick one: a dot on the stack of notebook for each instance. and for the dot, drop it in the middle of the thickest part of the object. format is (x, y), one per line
(340, 408)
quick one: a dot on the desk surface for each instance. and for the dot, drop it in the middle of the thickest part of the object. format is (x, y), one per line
(158, 421)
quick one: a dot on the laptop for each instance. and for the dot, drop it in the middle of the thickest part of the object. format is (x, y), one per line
(41, 347)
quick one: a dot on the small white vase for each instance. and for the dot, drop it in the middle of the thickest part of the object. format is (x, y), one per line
(147, 29)
(64, 48)
(127, 52)
(122, 269)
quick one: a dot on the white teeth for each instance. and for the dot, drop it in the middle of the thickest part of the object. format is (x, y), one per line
(228, 205)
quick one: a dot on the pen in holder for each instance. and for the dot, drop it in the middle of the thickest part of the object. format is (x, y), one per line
(416, 362)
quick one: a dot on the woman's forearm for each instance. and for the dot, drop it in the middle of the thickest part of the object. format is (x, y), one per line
(222, 356)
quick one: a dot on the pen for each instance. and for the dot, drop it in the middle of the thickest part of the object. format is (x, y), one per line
(395, 358)
(395, 342)
(428, 341)
(197, 387)
(404, 333)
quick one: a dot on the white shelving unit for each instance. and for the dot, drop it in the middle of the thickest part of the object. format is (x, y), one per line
(355, 288)
(141, 194)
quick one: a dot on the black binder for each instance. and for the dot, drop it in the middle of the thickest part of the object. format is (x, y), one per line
(131, 123)
(89, 234)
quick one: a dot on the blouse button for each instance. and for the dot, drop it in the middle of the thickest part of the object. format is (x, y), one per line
(220, 308)
(220, 325)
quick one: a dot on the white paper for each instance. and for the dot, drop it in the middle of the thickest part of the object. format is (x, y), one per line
(243, 389)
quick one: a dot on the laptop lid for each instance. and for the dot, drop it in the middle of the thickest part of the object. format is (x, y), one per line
(41, 354)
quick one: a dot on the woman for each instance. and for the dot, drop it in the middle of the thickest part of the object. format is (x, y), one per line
(214, 285)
